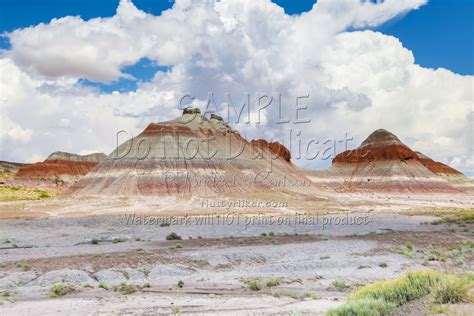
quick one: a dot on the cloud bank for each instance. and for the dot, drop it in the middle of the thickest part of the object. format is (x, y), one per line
(356, 80)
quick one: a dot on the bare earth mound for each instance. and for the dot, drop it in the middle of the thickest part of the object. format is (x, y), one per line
(58, 171)
(383, 163)
(190, 156)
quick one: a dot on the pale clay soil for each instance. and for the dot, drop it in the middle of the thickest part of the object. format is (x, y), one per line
(53, 237)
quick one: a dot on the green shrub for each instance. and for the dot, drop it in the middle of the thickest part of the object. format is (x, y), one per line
(23, 266)
(452, 289)
(275, 293)
(126, 288)
(381, 297)
(103, 284)
(311, 295)
(271, 282)
(175, 310)
(61, 289)
(5, 294)
(118, 239)
(178, 245)
(363, 307)
(200, 261)
(383, 265)
(407, 250)
(44, 195)
(340, 285)
(399, 291)
(173, 236)
(255, 284)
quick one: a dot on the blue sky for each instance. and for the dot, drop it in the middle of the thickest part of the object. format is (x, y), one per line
(437, 33)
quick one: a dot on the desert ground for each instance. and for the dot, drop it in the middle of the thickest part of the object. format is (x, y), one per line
(118, 257)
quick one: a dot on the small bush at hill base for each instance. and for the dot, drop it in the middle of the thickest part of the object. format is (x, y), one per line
(61, 289)
(255, 284)
(274, 281)
(452, 289)
(173, 236)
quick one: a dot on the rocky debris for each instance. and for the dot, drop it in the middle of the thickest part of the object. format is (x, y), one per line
(113, 278)
(275, 147)
(191, 110)
(16, 279)
(136, 277)
(76, 277)
(216, 117)
(170, 272)
(28, 283)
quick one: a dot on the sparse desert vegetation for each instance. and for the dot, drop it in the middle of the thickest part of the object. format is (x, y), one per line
(384, 296)
(407, 250)
(126, 288)
(453, 289)
(274, 281)
(14, 193)
(458, 217)
(160, 267)
(340, 285)
(6, 175)
(366, 307)
(61, 289)
(173, 236)
(171, 265)
(103, 284)
(254, 284)
(23, 266)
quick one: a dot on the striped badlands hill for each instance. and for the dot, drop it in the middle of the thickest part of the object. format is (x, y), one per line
(58, 171)
(383, 163)
(192, 156)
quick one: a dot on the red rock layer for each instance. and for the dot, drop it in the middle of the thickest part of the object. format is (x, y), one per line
(437, 167)
(53, 169)
(275, 147)
(376, 153)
